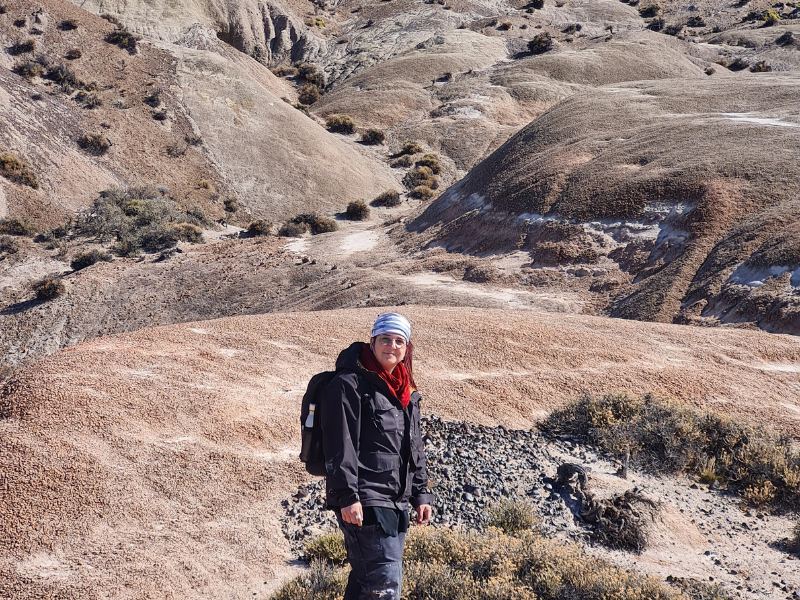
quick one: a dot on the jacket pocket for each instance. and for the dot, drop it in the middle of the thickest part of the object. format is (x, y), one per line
(379, 462)
(386, 416)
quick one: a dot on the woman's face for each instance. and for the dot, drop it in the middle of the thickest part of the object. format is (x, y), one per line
(389, 349)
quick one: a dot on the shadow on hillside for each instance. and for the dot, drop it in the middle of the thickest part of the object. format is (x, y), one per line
(20, 307)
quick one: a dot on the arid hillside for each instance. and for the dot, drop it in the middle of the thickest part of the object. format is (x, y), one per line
(154, 463)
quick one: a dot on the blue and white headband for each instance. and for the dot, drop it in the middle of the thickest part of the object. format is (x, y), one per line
(392, 323)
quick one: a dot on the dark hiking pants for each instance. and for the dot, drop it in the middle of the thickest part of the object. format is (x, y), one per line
(376, 560)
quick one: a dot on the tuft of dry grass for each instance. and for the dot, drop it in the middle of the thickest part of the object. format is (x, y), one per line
(410, 148)
(290, 229)
(541, 43)
(663, 435)
(17, 170)
(308, 94)
(48, 287)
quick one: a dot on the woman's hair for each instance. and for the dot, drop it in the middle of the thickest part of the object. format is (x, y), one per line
(407, 361)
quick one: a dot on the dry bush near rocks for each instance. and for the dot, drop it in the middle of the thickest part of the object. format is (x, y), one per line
(290, 229)
(28, 69)
(357, 210)
(259, 228)
(94, 144)
(17, 226)
(48, 287)
(512, 516)
(421, 175)
(310, 73)
(24, 47)
(403, 161)
(444, 564)
(422, 192)
(73, 54)
(340, 124)
(432, 162)
(316, 223)
(322, 581)
(8, 245)
(373, 137)
(329, 547)
(17, 170)
(410, 148)
(389, 199)
(124, 39)
(668, 437)
(88, 258)
(620, 522)
(541, 43)
(308, 94)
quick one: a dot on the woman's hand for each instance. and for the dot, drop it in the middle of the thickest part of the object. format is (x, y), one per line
(354, 514)
(423, 514)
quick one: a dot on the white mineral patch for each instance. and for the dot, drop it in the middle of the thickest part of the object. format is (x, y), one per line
(358, 242)
(750, 118)
(755, 277)
(296, 245)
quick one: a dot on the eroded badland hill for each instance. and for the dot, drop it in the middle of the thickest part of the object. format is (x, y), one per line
(565, 197)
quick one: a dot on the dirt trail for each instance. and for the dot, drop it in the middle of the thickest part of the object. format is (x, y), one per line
(155, 461)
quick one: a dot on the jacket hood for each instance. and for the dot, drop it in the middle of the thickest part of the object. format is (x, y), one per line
(348, 358)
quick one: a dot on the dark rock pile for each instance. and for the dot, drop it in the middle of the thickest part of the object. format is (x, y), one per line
(469, 467)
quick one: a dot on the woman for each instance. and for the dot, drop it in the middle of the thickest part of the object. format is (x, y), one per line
(374, 457)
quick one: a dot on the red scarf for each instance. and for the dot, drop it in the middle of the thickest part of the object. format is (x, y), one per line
(398, 380)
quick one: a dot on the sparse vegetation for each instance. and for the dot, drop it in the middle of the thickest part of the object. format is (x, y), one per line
(443, 564)
(140, 218)
(308, 94)
(231, 205)
(422, 192)
(17, 170)
(316, 223)
(68, 24)
(19, 48)
(760, 67)
(372, 137)
(662, 435)
(48, 287)
(541, 43)
(710, 70)
(29, 69)
(389, 199)
(290, 229)
(123, 38)
(88, 258)
(310, 73)
(177, 149)
(410, 148)
(696, 21)
(656, 24)
(21, 22)
(95, 144)
(512, 516)
(404, 161)
(88, 100)
(770, 18)
(153, 99)
(73, 54)
(192, 140)
(421, 176)
(329, 547)
(259, 228)
(340, 124)
(160, 115)
(64, 77)
(650, 11)
(432, 162)
(17, 226)
(8, 244)
(357, 210)
(284, 71)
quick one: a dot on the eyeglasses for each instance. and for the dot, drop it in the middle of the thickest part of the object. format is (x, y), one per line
(385, 340)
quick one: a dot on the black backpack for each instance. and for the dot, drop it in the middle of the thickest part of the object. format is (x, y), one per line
(311, 424)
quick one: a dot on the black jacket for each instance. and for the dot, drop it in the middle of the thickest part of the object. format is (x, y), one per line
(373, 448)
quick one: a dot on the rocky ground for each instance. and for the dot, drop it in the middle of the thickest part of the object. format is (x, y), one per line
(698, 533)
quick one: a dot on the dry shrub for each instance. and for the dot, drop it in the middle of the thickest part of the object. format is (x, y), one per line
(432, 162)
(481, 273)
(17, 226)
(290, 229)
(421, 175)
(153, 99)
(372, 137)
(410, 148)
(30, 68)
(231, 205)
(124, 39)
(540, 44)
(8, 245)
(322, 581)
(316, 223)
(340, 124)
(308, 94)
(68, 24)
(188, 232)
(88, 258)
(17, 170)
(97, 145)
(259, 228)
(310, 73)
(284, 71)
(88, 100)
(402, 162)
(650, 11)
(738, 65)
(48, 287)
(667, 437)
(25, 47)
(512, 516)
(621, 521)
(329, 547)
(357, 211)
(73, 54)
(422, 192)
(760, 67)
(389, 198)
(795, 542)
(64, 76)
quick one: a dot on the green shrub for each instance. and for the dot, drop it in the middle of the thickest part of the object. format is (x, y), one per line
(8, 245)
(25, 47)
(308, 94)
(290, 229)
(17, 170)
(48, 287)
(259, 228)
(410, 148)
(328, 547)
(88, 258)
(650, 11)
(372, 137)
(73, 54)
(770, 18)
(97, 145)
(664, 436)
(357, 210)
(158, 237)
(123, 38)
(432, 162)
(17, 226)
(512, 516)
(389, 198)
(340, 124)
(541, 43)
